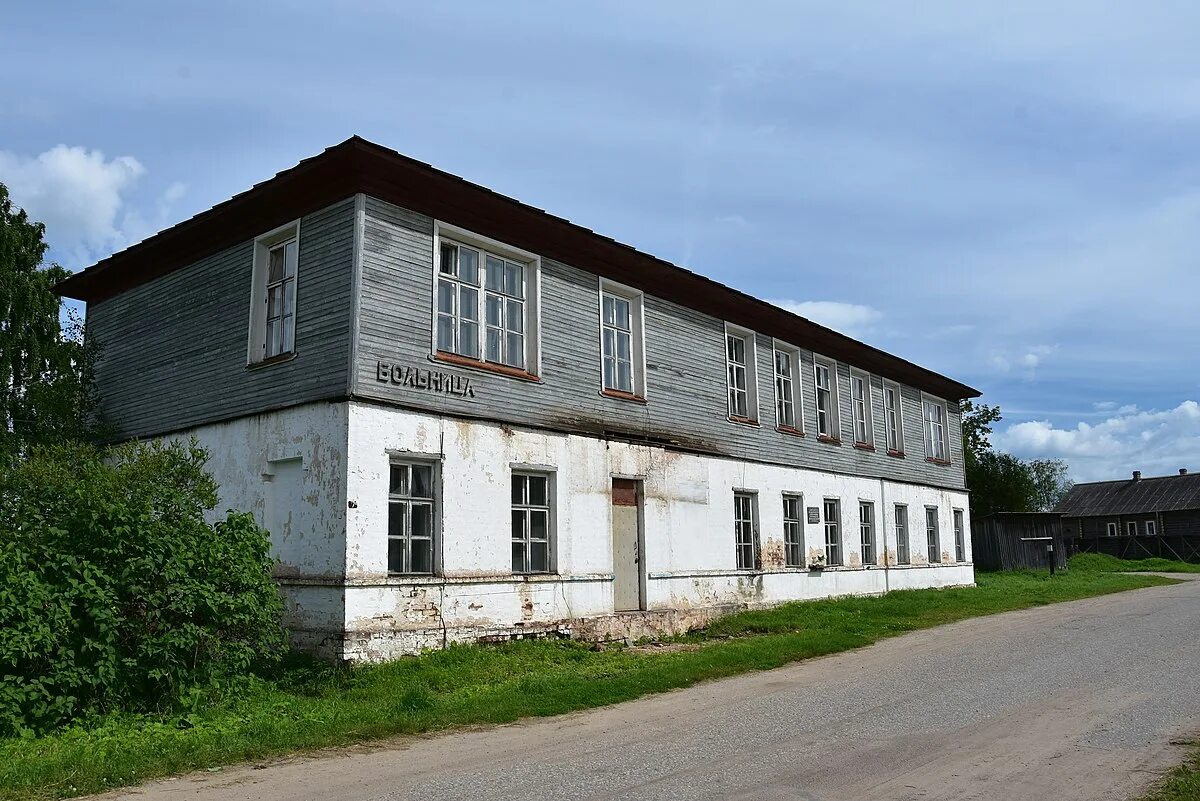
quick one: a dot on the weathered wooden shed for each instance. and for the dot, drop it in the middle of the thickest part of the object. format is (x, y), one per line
(999, 541)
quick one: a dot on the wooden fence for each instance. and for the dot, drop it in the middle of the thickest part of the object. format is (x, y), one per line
(1184, 548)
(996, 541)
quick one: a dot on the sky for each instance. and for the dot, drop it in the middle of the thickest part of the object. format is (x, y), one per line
(1008, 194)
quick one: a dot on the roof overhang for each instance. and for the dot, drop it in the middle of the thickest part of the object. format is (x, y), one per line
(357, 165)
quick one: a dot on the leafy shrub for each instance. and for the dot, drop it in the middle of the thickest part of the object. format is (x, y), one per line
(114, 591)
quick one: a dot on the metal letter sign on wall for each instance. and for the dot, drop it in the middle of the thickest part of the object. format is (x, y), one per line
(424, 378)
(814, 514)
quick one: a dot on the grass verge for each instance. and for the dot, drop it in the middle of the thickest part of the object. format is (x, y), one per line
(310, 705)
(1181, 784)
(1111, 564)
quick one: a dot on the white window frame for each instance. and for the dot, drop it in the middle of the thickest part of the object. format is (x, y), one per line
(793, 530)
(833, 413)
(903, 539)
(796, 395)
(532, 274)
(1151, 528)
(1131, 528)
(526, 507)
(740, 524)
(868, 542)
(833, 544)
(750, 371)
(893, 419)
(927, 425)
(256, 348)
(408, 500)
(868, 418)
(960, 535)
(1112, 529)
(637, 337)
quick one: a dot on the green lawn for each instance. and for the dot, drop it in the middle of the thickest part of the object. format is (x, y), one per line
(1182, 784)
(1111, 564)
(310, 705)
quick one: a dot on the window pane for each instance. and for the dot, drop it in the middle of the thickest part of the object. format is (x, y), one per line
(495, 274)
(622, 317)
(624, 377)
(538, 526)
(515, 319)
(623, 347)
(275, 301)
(422, 556)
(291, 256)
(610, 377)
(537, 491)
(272, 337)
(493, 344)
(445, 335)
(539, 557)
(285, 334)
(610, 314)
(468, 303)
(519, 485)
(518, 557)
(289, 297)
(518, 524)
(610, 342)
(468, 266)
(448, 261)
(275, 268)
(395, 555)
(515, 355)
(495, 310)
(396, 512)
(420, 520)
(513, 284)
(422, 481)
(398, 485)
(468, 339)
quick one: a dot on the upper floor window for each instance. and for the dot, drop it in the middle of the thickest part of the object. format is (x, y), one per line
(788, 409)
(273, 298)
(893, 424)
(739, 362)
(936, 446)
(485, 295)
(860, 403)
(621, 340)
(825, 379)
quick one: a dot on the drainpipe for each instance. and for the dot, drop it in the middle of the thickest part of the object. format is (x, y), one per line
(883, 516)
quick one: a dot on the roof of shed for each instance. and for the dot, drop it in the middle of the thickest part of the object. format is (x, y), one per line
(357, 165)
(1103, 498)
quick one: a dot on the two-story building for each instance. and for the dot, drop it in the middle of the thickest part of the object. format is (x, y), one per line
(462, 418)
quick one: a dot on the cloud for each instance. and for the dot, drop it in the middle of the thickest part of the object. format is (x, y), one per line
(852, 319)
(1024, 361)
(1155, 442)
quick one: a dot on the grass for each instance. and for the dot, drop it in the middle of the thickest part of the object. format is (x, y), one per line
(309, 705)
(1182, 784)
(1111, 564)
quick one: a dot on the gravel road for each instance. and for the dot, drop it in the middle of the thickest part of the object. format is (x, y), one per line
(1073, 701)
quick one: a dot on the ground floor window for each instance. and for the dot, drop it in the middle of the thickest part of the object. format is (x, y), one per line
(1131, 528)
(931, 535)
(960, 537)
(866, 530)
(1112, 529)
(745, 528)
(902, 534)
(833, 531)
(410, 517)
(793, 530)
(1151, 528)
(530, 523)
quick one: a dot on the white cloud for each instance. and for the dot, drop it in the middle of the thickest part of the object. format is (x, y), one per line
(1155, 442)
(83, 198)
(852, 319)
(1024, 361)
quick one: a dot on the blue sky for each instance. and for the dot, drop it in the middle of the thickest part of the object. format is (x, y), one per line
(1009, 194)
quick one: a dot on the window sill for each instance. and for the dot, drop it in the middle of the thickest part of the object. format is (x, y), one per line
(828, 440)
(864, 446)
(895, 454)
(745, 421)
(487, 367)
(932, 460)
(625, 396)
(792, 432)
(277, 359)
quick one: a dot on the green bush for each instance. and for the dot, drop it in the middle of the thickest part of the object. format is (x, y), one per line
(114, 591)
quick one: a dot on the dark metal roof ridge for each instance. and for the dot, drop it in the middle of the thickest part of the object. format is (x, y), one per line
(344, 169)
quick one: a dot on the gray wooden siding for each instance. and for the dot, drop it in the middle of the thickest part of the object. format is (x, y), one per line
(686, 384)
(174, 349)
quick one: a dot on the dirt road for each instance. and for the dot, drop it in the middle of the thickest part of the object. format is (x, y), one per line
(1072, 701)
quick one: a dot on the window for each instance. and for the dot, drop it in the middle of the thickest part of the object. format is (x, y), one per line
(793, 530)
(825, 379)
(745, 530)
(1112, 529)
(931, 535)
(893, 424)
(273, 294)
(935, 431)
(860, 403)
(621, 339)
(902, 534)
(739, 360)
(960, 537)
(410, 517)
(833, 531)
(485, 293)
(1151, 528)
(866, 530)
(530, 523)
(1131, 528)
(789, 413)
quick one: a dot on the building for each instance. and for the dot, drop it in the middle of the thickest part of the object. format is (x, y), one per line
(1133, 507)
(463, 418)
(1018, 541)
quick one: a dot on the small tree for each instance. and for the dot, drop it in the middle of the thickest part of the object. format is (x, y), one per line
(1050, 483)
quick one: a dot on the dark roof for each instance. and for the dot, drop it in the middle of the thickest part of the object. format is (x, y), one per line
(1103, 498)
(357, 165)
